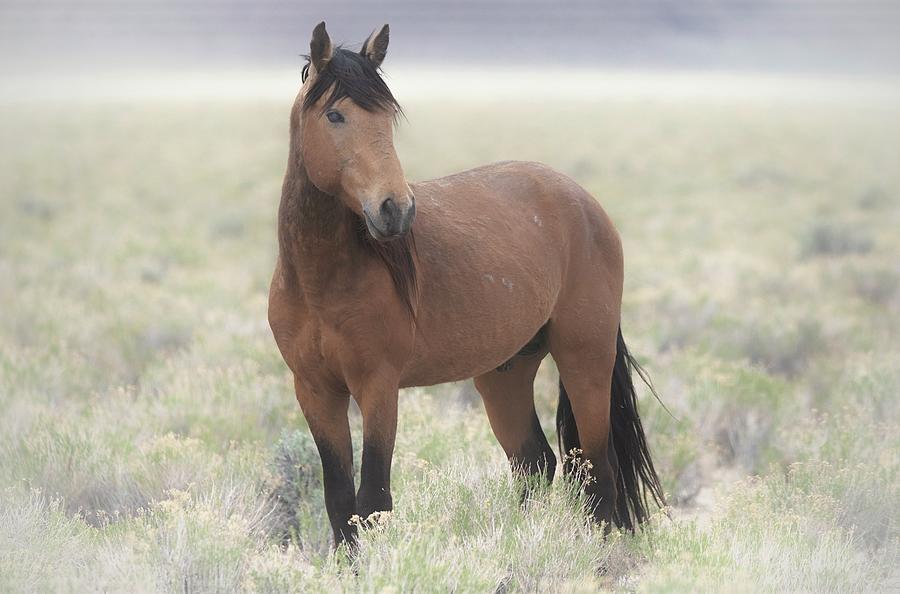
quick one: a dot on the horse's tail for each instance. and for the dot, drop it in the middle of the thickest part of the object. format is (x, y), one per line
(637, 476)
(636, 481)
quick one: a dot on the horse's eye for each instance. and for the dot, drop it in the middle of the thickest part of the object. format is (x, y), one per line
(334, 117)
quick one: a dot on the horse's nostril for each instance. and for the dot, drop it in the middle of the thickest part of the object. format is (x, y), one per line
(389, 208)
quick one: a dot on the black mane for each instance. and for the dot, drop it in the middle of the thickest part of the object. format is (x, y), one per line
(397, 257)
(348, 74)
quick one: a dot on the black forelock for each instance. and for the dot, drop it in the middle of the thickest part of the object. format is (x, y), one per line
(348, 74)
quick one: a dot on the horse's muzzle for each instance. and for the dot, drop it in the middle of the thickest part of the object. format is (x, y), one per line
(391, 220)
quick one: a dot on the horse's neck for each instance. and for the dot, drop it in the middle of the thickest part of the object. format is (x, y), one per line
(316, 232)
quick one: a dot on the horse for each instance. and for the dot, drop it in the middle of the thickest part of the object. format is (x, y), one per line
(381, 284)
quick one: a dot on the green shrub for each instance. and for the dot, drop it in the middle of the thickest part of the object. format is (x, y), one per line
(294, 483)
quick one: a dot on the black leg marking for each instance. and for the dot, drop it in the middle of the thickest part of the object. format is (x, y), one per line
(536, 456)
(375, 482)
(340, 500)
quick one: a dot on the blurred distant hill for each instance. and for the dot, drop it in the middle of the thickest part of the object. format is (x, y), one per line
(782, 35)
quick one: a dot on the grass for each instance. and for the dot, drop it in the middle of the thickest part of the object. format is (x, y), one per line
(151, 440)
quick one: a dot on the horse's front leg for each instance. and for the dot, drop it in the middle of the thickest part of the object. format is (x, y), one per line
(326, 415)
(378, 404)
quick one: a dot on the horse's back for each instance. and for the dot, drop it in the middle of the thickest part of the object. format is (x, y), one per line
(527, 205)
(521, 185)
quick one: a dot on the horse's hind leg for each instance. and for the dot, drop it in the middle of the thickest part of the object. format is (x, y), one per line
(566, 431)
(508, 395)
(585, 355)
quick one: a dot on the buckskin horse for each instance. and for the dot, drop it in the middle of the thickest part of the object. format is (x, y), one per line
(381, 284)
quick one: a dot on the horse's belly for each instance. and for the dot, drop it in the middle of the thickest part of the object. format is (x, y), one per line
(479, 330)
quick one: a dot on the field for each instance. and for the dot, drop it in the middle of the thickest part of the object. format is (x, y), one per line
(151, 440)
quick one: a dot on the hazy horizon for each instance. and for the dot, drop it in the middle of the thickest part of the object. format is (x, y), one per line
(82, 37)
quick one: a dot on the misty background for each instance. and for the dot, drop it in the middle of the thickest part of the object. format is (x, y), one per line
(81, 37)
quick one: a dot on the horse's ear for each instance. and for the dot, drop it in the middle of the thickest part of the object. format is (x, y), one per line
(375, 47)
(320, 49)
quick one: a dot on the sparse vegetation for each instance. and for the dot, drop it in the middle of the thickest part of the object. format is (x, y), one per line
(151, 440)
(835, 239)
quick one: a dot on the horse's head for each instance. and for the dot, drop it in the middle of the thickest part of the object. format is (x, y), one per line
(343, 123)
